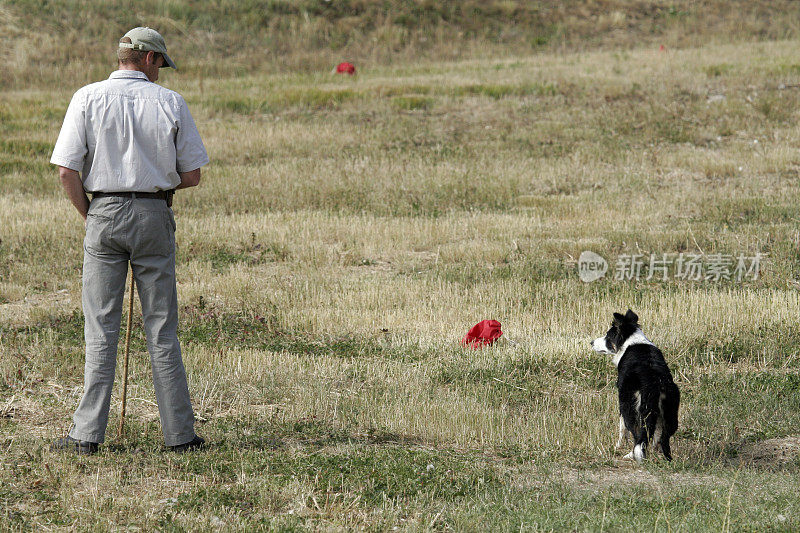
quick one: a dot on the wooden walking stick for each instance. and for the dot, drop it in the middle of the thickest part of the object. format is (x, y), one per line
(125, 365)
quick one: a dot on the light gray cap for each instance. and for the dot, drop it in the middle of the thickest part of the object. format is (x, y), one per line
(148, 40)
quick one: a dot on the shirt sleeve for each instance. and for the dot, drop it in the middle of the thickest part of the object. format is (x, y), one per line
(70, 150)
(189, 149)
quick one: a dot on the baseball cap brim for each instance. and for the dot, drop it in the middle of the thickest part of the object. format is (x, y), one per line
(168, 62)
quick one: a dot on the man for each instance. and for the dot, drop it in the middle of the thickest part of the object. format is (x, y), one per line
(129, 143)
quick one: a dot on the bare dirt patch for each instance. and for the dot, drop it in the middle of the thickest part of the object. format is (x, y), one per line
(771, 453)
(627, 474)
(622, 473)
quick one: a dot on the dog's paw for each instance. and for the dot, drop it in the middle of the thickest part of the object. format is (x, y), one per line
(639, 453)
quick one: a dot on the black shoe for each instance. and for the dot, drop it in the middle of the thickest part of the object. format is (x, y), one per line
(192, 445)
(81, 447)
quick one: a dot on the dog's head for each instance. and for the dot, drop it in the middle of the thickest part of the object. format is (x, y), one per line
(622, 328)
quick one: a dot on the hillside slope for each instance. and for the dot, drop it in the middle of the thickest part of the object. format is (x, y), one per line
(43, 41)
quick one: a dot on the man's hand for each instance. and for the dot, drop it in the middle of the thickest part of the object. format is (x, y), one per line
(73, 186)
(189, 179)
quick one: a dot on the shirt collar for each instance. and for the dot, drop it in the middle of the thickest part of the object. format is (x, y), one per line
(128, 74)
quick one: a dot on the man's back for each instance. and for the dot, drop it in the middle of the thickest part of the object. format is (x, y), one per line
(129, 134)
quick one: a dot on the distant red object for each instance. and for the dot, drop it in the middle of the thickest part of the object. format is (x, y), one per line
(484, 333)
(345, 68)
(663, 48)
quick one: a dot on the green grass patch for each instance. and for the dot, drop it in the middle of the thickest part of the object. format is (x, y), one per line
(315, 98)
(497, 91)
(373, 470)
(281, 99)
(778, 107)
(36, 167)
(25, 148)
(720, 69)
(239, 105)
(231, 331)
(237, 498)
(394, 473)
(788, 68)
(523, 381)
(412, 103)
(252, 253)
(64, 330)
(776, 344)
(407, 98)
(490, 90)
(722, 411)
(620, 503)
(735, 212)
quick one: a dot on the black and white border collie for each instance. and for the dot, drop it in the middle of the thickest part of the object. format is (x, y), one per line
(648, 397)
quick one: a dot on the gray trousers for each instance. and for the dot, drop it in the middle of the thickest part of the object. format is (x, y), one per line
(142, 231)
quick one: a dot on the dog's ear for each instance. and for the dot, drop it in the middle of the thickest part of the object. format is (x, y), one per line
(631, 317)
(618, 319)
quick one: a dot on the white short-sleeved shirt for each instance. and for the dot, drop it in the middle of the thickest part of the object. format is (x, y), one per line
(127, 134)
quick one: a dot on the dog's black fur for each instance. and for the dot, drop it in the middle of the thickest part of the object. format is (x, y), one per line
(648, 396)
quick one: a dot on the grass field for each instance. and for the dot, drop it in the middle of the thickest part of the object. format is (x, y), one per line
(347, 234)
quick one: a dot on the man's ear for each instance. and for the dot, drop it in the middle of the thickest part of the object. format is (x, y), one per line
(150, 58)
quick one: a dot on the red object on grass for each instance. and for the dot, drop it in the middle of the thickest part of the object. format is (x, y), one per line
(662, 48)
(345, 68)
(484, 333)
